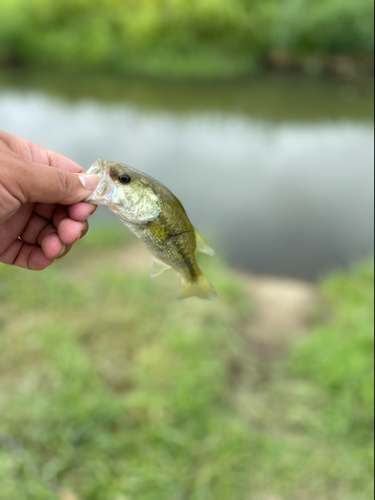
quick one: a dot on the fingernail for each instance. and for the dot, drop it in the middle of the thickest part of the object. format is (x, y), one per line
(89, 182)
(90, 214)
(80, 236)
(63, 250)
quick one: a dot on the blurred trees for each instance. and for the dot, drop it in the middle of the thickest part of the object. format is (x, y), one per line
(151, 35)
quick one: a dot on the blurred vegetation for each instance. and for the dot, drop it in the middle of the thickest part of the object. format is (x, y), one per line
(113, 390)
(184, 38)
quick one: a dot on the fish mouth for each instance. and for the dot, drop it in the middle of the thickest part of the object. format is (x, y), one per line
(98, 196)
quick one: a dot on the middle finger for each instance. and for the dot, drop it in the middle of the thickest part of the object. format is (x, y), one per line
(81, 211)
(70, 231)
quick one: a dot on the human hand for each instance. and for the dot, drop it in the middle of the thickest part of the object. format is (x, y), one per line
(40, 211)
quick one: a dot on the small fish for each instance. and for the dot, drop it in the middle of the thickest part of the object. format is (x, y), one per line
(158, 219)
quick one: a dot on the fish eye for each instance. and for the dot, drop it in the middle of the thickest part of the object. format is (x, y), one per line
(124, 179)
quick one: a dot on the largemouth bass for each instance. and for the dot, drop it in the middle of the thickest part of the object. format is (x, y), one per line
(158, 219)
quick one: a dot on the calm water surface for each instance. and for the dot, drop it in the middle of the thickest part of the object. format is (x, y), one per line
(279, 171)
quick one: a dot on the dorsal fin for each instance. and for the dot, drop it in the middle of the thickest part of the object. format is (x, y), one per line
(202, 245)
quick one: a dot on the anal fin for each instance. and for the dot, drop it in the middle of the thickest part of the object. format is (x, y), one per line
(159, 267)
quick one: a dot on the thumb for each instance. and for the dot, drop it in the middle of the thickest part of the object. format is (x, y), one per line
(44, 184)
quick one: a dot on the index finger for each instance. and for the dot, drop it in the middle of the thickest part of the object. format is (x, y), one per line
(61, 162)
(38, 154)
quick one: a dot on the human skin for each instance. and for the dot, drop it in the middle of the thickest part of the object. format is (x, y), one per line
(41, 209)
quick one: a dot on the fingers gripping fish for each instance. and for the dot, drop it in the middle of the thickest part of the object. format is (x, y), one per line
(158, 219)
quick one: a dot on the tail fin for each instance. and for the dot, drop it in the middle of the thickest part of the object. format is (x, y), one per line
(200, 288)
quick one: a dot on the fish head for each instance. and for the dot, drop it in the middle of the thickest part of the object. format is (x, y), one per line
(125, 191)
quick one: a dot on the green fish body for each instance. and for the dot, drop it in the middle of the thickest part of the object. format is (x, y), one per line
(158, 219)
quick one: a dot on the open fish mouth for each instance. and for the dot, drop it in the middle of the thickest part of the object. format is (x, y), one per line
(98, 196)
(136, 203)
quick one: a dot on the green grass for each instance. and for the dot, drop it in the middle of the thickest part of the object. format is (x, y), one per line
(180, 38)
(315, 409)
(109, 385)
(112, 389)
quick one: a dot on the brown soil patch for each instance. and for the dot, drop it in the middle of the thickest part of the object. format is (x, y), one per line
(135, 258)
(280, 309)
(68, 495)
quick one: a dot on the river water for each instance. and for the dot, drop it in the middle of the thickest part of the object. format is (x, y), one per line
(278, 171)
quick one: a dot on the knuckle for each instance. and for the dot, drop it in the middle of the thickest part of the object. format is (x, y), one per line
(65, 180)
(13, 174)
(9, 205)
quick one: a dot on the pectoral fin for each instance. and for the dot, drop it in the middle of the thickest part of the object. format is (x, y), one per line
(202, 245)
(158, 267)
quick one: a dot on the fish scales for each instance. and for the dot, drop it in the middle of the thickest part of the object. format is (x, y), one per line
(158, 219)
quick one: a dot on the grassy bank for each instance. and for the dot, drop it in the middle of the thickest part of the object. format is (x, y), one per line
(186, 39)
(111, 389)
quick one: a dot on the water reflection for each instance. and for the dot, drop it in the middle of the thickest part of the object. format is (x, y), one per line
(286, 194)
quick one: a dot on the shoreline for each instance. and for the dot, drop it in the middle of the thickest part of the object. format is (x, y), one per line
(345, 68)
